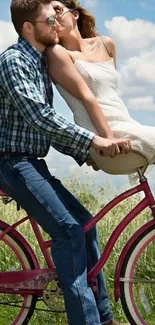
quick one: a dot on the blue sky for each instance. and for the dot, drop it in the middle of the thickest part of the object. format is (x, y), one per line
(131, 23)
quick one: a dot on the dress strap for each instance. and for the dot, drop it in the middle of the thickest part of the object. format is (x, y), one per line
(103, 45)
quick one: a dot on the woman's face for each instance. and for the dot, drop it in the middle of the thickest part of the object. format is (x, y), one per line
(66, 17)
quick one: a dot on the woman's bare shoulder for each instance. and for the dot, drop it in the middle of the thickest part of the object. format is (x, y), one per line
(56, 50)
(107, 41)
(110, 46)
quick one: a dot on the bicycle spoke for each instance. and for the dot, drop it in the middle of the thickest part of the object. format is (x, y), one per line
(11, 304)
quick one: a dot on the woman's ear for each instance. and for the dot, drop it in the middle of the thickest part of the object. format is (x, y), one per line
(76, 14)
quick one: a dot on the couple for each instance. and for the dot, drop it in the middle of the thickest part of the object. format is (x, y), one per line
(29, 125)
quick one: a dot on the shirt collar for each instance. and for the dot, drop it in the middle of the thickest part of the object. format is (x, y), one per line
(29, 50)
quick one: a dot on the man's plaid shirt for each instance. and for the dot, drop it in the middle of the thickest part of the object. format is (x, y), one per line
(28, 121)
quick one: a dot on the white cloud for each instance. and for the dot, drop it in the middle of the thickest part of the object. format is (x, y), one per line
(137, 74)
(8, 36)
(141, 103)
(143, 4)
(135, 45)
(133, 35)
(147, 6)
(91, 3)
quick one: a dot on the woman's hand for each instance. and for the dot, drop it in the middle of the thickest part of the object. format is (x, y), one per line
(111, 147)
(124, 145)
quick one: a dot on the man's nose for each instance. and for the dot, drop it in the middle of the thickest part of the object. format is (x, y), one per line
(56, 24)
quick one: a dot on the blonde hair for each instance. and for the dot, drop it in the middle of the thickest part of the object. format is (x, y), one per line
(86, 21)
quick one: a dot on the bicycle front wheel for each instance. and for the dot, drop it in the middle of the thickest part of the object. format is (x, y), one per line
(14, 308)
(137, 281)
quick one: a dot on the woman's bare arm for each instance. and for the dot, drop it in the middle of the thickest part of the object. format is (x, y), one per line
(63, 72)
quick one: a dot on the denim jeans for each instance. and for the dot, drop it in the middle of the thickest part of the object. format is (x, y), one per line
(28, 181)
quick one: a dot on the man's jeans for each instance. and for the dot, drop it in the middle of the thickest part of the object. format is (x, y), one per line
(28, 181)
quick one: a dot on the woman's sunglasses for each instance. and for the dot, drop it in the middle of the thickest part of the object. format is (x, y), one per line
(60, 11)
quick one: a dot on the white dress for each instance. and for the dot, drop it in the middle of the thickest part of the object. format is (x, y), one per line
(102, 79)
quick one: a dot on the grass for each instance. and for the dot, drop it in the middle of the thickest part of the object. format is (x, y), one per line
(105, 228)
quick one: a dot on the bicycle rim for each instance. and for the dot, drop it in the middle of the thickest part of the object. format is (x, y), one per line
(138, 280)
(15, 309)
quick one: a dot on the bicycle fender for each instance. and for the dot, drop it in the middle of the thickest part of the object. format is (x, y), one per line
(123, 255)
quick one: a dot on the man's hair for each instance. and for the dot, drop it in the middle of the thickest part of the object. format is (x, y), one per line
(25, 10)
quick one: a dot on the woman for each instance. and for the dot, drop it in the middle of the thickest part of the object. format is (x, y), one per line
(82, 66)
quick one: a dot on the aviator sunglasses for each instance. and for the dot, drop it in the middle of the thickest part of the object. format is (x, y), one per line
(50, 21)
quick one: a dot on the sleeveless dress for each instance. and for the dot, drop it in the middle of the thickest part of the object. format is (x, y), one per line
(102, 79)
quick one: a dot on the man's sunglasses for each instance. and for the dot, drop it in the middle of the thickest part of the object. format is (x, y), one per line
(50, 21)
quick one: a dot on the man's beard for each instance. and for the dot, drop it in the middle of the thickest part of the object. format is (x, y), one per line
(46, 40)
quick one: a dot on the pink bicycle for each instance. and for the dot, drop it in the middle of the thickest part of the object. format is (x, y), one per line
(22, 286)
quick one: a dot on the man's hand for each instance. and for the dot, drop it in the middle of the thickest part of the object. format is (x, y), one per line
(91, 162)
(111, 147)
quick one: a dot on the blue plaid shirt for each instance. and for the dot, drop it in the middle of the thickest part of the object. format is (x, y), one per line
(28, 121)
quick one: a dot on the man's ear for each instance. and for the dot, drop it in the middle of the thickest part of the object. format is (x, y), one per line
(27, 27)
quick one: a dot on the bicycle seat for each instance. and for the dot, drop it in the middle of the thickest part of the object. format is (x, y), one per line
(123, 164)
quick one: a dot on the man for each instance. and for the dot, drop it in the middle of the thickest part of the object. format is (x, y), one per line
(28, 126)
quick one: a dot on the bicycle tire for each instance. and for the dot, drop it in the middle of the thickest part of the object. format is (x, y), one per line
(130, 300)
(17, 247)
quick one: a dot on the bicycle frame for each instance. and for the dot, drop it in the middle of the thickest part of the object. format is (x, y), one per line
(148, 201)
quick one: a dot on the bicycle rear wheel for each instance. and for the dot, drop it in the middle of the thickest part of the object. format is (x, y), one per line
(15, 309)
(138, 280)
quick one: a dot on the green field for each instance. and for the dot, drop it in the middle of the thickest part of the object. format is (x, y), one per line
(93, 203)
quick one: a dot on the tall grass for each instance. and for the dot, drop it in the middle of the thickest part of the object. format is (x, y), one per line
(105, 227)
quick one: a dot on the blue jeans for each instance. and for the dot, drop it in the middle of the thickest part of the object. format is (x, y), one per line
(28, 181)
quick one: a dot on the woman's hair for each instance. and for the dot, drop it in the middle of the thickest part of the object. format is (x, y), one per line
(86, 21)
